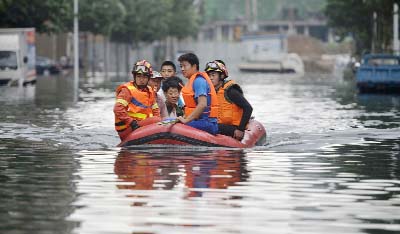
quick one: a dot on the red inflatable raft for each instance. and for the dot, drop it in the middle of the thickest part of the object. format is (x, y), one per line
(180, 134)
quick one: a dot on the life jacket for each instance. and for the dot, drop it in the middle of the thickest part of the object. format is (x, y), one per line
(229, 113)
(190, 102)
(140, 106)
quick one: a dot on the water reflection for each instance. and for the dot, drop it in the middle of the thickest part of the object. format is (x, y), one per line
(36, 191)
(379, 102)
(155, 190)
(47, 112)
(18, 95)
(338, 189)
(194, 170)
(382, 111)
(54, 92)
(332, 165)
(369, 158)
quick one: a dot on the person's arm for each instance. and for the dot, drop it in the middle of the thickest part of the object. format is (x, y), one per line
(121, 106)
(201, 105)
(162, 107)
(155, 109)
(200, 88)
(237, 97)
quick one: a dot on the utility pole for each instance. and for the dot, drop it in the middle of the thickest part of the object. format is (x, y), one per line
(374, 31)
(395, 29)
(255, 15)
(248, 15)
(76, 51)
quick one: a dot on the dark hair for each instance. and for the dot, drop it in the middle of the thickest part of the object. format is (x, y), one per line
(190, 58)
(172, 82)
(168, 63)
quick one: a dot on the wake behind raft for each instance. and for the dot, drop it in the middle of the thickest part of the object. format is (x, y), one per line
(180, 134)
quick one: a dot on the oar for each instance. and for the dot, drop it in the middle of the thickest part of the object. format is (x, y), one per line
(168, 121)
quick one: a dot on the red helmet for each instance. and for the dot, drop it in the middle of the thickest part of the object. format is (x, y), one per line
(142, 67)
(216, 66)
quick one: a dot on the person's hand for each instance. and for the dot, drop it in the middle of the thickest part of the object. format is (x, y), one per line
(134, 125)
(238, 135)
(181, 119)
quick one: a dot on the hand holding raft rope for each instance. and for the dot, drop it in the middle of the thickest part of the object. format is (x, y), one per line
(182, 119)
(179, 119)
(168, 121)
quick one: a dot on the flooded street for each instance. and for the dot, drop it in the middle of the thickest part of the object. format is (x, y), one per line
(331, 164)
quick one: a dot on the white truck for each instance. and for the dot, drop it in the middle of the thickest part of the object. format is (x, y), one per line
(17, 56)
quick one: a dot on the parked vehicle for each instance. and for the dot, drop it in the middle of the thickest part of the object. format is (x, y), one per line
(268, 53)
(47, 66)
(379, 72)
(17, 56)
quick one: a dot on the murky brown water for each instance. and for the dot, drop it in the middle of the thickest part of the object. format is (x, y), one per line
(331, 165)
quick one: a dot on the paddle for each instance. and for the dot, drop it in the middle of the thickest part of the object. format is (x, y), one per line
(168, 121)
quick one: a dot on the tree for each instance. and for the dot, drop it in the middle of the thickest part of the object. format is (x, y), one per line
(100, 16)
(44, 15)
(356, 17)
(149, 20)
(183, 18)
(266, 9)
(126, 20)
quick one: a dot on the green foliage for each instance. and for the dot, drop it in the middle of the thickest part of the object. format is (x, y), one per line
(44, 15)
(123, 20)
(100, 16)
(148, 20)
(182, 18)
(224, 10)
(356, 17)
(266, 9)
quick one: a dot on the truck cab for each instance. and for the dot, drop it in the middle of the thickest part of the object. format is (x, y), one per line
(17, 56)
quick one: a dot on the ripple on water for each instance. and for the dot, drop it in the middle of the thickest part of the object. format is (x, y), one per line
(276, 191)
(331, 166)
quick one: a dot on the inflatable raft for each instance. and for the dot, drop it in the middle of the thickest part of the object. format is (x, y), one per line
(180, 134)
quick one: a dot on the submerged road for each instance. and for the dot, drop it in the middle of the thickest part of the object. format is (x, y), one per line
(331, 164)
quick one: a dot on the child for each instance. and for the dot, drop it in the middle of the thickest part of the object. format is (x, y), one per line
(172, 89)
(168, 69)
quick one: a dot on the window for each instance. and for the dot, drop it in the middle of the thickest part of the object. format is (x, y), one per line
(383, 61)
(8, 60)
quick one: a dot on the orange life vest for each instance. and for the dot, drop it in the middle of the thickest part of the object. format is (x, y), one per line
(229, 113)
(190, 102)
(140, 106)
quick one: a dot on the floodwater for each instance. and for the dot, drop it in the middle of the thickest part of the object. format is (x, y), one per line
(331, 164)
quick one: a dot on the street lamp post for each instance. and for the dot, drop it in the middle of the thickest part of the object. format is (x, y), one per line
(395, 29)
(374, 31)
(76, 51)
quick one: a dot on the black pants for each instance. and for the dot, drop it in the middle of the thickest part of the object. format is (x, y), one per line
(227, 130)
